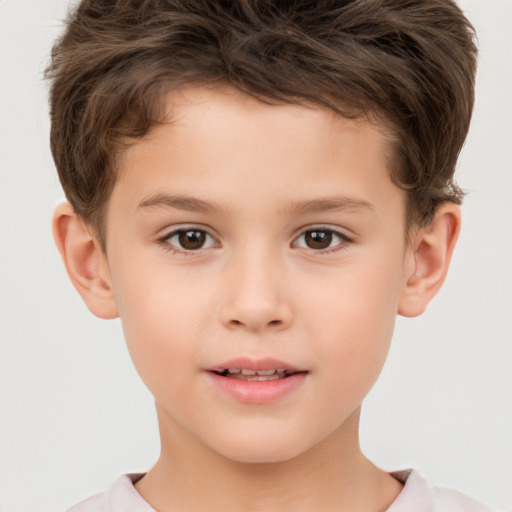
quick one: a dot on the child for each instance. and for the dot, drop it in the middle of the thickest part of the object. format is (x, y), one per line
(257, 188)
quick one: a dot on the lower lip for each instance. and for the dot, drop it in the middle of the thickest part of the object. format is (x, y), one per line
(257, 391)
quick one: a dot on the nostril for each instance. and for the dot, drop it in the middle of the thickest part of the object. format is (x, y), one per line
(272, 323)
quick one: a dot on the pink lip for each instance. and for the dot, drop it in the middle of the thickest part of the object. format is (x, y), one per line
(256, 392)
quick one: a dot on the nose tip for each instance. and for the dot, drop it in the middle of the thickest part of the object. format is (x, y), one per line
(256, 301)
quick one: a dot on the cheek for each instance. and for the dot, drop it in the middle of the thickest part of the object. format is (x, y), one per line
(161, 325)
(360, 297)
(354, 322)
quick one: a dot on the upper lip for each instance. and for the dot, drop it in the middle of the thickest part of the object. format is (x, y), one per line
(245, 363)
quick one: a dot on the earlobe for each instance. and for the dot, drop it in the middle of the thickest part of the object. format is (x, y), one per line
(430, 254)
(85, 262)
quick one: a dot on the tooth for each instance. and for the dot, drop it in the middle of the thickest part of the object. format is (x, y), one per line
(256, 377)
(262, 378)
(248, 372)
(266, 372)
(234, 370)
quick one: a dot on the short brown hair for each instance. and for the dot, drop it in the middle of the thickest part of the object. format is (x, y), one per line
(411, 63)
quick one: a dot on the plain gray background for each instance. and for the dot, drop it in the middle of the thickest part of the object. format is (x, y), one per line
(73, 412)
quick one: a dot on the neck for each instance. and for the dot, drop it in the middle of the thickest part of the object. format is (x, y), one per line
(333, 475)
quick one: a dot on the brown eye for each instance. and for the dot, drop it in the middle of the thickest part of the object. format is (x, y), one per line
(318, 238)
(191, 239)
(322, 240)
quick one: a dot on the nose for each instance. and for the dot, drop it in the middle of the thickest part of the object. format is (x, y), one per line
(256, 295)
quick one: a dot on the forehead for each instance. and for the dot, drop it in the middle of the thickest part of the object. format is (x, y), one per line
(238, 115)
(223, 144)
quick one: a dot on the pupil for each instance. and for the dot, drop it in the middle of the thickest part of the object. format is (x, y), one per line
(318, 239)
(192, 239)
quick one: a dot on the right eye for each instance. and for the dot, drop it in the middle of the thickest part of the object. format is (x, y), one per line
(188, 240)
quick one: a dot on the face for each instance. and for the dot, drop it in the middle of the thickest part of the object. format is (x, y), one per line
(256, 253)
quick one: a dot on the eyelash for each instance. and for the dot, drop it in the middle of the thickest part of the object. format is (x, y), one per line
(344, 240)
(164, 241)
(342, 245)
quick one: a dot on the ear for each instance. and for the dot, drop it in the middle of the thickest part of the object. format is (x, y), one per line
(85, 262)
(429, 257)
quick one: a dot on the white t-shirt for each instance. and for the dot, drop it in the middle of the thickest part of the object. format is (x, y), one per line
(416, 496)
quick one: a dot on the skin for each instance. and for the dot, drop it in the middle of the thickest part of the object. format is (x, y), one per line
(257, 288)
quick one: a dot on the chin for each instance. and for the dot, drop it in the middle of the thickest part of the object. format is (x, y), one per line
(262, 449)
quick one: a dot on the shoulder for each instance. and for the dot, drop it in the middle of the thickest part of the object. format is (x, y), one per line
(420, 496)
(121, 497)
(96, 503)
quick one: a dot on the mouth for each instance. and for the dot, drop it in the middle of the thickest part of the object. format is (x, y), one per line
(255, 375)
(256, 381)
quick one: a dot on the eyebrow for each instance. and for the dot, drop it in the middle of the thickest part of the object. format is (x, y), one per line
(328, 204)
(194, 204)
(179, 202)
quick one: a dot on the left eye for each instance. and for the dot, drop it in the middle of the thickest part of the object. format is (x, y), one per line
(190, 239)
(320, 239)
